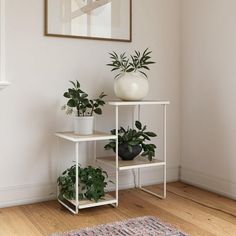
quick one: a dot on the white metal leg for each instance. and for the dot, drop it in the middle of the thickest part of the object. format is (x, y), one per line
(139, 178)
(165, 133)
(117, 171)
(94, 152)
(76, 188)
(139, 170)
(76, 176)
(152, 193)
(164, 157)
(67, 207)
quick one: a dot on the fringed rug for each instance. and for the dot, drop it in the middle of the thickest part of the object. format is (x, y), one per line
(142, 226)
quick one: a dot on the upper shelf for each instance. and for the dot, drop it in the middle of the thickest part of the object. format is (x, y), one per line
(97, 135)
(144, 102)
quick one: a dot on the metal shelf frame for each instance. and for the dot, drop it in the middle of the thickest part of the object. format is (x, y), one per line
(77, 139)
(138, 104)
(116, 164)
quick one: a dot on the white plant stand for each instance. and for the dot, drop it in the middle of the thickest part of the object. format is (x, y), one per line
(114, 162)
(75, 205)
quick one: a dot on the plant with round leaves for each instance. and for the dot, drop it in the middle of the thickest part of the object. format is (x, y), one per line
(79, 102)
(134, 137)
(137, 62)
(92, 183)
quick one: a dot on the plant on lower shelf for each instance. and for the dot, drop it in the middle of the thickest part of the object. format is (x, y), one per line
(131, 142)
(92, 183)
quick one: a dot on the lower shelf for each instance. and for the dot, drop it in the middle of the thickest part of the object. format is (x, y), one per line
(138, 162)
(108, 199)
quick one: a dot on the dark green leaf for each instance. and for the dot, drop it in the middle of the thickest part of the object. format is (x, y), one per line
(138, 124)
(66, 95)
(71, 103)
(150, 134)
(98, 111)
(73, 83)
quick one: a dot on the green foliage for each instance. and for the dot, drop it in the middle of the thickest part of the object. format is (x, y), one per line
(78, 100)
(92, 183)
(137, 62)
(134, 137)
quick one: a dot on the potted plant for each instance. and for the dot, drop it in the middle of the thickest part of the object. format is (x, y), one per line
(131, 82)
(83, 107)
(131, 142)
(92, 183)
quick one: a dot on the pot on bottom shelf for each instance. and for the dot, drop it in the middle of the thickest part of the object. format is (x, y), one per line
(125, 154)
(83, 125)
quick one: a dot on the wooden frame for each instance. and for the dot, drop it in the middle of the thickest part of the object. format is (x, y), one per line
(46, 33)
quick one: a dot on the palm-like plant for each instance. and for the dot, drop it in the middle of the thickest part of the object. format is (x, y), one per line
(137, 62)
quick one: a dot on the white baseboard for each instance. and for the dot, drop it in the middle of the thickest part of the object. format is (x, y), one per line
(26, 194)
(211, 183)
(32, 193)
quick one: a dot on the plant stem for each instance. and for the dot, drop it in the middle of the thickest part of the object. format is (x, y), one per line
(78, 109)
(92, 110)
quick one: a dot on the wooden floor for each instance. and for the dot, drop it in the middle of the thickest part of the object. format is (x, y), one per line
(190, 209)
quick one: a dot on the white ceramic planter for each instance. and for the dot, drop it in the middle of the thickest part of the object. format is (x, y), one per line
(131, 86)
(83, 125)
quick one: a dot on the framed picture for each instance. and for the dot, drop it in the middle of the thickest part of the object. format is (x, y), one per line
(89, 19)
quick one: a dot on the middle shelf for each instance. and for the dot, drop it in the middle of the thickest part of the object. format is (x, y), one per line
(138, 162)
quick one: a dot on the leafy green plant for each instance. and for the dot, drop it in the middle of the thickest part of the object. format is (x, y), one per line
(92, 183)
(134, 137)
(78, 100)
(137, 62)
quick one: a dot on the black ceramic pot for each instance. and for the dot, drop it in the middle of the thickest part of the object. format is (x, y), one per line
(124, 153)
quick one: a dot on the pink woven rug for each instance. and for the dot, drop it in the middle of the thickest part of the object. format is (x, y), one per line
(142, 226)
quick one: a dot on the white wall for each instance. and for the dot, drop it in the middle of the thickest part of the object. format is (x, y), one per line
(40, 67)
(208, 94)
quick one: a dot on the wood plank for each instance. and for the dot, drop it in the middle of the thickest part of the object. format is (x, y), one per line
(183, 209)
(13, 222)
(204, 197)
(194, 213)
(50, 217)
(134, 203)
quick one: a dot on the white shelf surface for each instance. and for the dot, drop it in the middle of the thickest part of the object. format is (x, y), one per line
(97, 135)
(144, 102)
(138, 162)
(108, 199)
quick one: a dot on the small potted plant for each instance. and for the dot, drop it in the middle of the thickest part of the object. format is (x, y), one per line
(83, 107)
(131, 142)
(92, 183)
(131, 81)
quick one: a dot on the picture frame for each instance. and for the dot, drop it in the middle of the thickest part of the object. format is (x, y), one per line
(109, 20)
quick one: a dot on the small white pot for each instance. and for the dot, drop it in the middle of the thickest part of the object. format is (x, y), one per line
(131, 86)
(83, 125)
